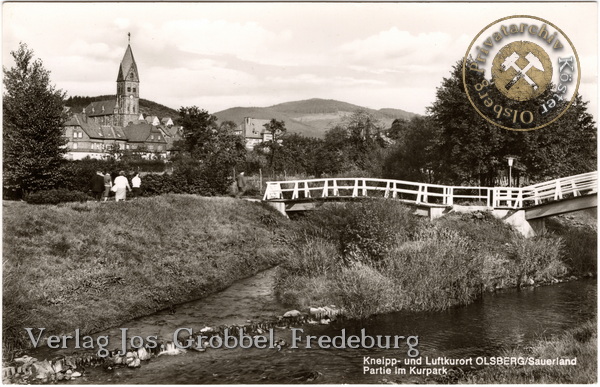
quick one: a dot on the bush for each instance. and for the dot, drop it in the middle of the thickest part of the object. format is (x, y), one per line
(580, 238)
(312, 257)
(76, 174)
(363, 291)
(437, 270)
(188, 177)
(373, 227)
(56, 196)
(536, 258)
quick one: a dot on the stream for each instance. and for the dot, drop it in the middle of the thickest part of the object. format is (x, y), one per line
(496, 321)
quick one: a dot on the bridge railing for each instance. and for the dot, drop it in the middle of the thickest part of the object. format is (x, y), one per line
(366, 187)
(562, 188)
(433, 194)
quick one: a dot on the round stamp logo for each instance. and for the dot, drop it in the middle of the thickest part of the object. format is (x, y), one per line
(521, 73)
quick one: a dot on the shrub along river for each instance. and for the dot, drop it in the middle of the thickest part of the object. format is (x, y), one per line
(496, 321)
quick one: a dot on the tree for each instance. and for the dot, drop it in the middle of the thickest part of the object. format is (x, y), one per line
(277, 129)
(33, 117)
(467, 149)
(467, 145)
(214, 150)
(228, 126)
(364, 141)
(412, 157)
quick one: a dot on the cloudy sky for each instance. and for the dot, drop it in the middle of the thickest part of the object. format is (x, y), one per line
(218, 56)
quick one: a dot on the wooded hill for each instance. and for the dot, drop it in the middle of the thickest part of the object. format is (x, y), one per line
(311, 117)
(77, 104)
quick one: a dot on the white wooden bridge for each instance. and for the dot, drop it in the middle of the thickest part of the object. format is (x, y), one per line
(537, 201)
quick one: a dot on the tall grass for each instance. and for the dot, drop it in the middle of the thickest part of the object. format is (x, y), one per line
(580, 342)
(580, 235)
(375, 256)
(96, 265)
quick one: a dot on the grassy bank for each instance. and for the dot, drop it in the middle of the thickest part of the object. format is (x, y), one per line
(96, 265)
(375, 256)
(580, 343)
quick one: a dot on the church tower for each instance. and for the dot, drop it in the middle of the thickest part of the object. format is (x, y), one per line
(128, 90)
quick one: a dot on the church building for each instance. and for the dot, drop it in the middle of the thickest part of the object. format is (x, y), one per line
(102, 125)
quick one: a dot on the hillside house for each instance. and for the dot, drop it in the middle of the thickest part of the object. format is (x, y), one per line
(254, 131)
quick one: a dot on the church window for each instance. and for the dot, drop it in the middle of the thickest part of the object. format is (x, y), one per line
(134, 89)
(134, 106)
(128, 89)
(152, 137)
(75, 145)
(151, 147)
(160, 148)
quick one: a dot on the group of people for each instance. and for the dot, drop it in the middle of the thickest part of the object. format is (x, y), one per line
(102, 184)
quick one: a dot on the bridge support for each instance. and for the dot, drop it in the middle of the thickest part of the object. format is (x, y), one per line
(279, 206)
(516, 218)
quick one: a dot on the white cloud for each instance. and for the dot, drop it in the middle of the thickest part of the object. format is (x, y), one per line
(122, 23)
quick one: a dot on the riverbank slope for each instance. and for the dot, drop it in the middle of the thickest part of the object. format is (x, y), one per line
(96, 265)
(375, 256)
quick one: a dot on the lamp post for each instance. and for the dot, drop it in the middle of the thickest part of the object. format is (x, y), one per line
(510, 164)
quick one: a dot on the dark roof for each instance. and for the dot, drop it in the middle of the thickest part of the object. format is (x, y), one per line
(127, 65)
(95, 130)
(142, 133)
(95, 108)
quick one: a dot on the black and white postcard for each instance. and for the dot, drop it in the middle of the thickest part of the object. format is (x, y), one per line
(299, 193)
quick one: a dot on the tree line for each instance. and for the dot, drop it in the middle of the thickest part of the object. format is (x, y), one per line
(452, 144)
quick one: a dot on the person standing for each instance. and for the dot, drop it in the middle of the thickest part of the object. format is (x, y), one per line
(136, 183)
(121, 187)
(241, 184)
(97, 185)
(107, 186)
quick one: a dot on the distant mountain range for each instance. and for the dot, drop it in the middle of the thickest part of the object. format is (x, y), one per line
(311, 117)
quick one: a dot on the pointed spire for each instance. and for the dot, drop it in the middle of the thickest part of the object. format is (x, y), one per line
(127, 65)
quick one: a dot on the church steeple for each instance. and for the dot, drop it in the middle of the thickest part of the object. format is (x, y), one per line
(128, 89)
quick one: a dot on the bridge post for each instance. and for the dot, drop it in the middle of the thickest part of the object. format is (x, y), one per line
(335, 188)
(574, 187)
(519, 201)
(355, 190)
(295, 193)
(450, 196)
(364, 190)
(558, 192)
(325, 193)
(279, 206)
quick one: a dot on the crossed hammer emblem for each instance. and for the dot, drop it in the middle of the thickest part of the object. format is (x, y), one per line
(511, 61)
